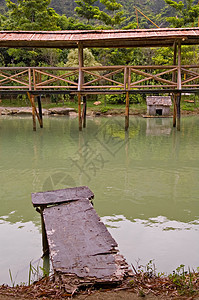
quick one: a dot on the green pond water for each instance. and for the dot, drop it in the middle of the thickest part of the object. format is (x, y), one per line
(145, 185)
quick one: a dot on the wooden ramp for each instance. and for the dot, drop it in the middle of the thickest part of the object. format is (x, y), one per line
(82, 250)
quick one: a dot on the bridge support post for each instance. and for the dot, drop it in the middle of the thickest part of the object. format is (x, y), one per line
(33, 112)
(178, 99)
(174, 110)
(40, 110)
(84, 111)
(79, 111)
(127, 112)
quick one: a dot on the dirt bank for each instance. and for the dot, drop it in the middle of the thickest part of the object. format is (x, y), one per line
(95, 111)
(28, 111)
(141, 285)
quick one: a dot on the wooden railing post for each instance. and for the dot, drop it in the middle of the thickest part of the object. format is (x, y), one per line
(129, 78)
(30, 78)
(179, 82)
(81, 64)
(125, 78)
(34, 79)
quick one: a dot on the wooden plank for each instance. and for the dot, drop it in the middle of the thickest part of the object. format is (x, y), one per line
(61, 196)
(80, 244)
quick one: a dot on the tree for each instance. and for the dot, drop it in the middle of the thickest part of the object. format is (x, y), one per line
(30, 15)
(115, 16)
(89, 59)
(86, 9)
(186, 13)
(110, 15)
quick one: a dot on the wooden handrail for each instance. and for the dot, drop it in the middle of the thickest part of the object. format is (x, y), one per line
(98, 77)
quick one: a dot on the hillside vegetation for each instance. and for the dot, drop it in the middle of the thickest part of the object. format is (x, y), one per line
(149, 7)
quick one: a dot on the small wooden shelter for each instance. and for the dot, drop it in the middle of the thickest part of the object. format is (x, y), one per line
(158, 105)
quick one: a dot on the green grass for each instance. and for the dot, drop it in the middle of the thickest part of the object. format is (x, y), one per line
(104, 107)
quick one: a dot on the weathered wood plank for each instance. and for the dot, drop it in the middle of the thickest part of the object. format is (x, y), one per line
(61, 196)
(80, 244)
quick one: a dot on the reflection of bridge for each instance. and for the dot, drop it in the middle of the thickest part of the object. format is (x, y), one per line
(82, 80)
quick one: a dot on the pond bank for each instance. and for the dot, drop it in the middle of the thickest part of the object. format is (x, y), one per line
(141, 285)
(91, 111)
(28, 111)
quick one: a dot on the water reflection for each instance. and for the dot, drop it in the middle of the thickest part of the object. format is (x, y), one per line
(168, 243)
(158, 126)
(148, 177)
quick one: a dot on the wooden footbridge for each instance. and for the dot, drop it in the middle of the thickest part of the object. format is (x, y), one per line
(82, 250)
(164, 79)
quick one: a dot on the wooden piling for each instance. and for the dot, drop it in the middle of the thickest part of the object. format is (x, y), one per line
(46, 265)
(174, 110)
(79, 112)
(127, 112)
(45, 246)
(40, 110)
(178, 100)
(33, 112)
(84, 111)
(44, 236)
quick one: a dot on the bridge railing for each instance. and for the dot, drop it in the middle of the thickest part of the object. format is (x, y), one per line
(106, 78)
(15, 78)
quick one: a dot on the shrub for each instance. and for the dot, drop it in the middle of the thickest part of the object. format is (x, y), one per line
(121, 98)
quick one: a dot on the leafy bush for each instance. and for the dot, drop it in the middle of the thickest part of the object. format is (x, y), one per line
(121, 98)
(104, 109)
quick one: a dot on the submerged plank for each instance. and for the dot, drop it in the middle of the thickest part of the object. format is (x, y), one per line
(80, 244)
(61, 196)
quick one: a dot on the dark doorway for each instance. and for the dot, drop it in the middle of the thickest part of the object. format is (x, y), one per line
(159, 112)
